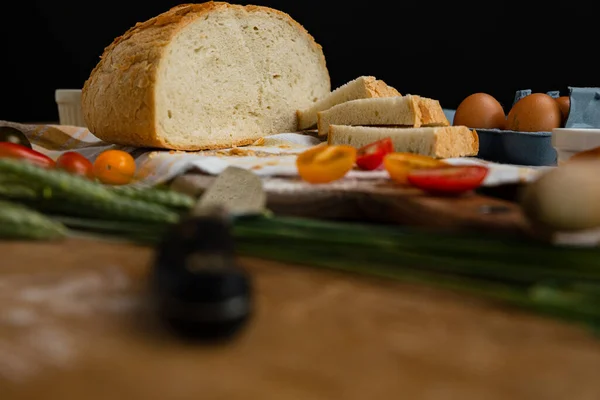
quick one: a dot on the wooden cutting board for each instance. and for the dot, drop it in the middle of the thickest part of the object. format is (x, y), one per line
(382, 202)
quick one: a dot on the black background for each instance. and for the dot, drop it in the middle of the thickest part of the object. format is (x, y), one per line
(444, 50)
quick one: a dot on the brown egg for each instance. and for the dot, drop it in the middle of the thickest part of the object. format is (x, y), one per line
(564, 103)
(480, 110)
(537, 112)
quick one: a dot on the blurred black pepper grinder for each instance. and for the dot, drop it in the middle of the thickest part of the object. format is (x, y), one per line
(200, 291)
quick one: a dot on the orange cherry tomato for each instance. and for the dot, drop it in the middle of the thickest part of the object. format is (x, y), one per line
(76, 164)
(398, 165)
(449, 179)
(114, 167)
(323, 163)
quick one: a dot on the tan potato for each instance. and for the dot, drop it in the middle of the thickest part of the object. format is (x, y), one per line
(588, 155)
(566, 198)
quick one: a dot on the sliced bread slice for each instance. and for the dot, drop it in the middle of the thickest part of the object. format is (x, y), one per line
(439, 142)
(363, 87)
(410, 111)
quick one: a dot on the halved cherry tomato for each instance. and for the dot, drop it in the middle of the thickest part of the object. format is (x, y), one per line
(323, 163)
(449, 180)
(398, 165)
(76, 164)
(13, 150)
(370, 157)
(114, 167)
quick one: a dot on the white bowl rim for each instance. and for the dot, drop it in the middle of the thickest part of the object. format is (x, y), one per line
(67, 95)
(576, 130)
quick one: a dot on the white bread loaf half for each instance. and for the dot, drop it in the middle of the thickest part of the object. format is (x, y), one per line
(205, 76)
(409, 111)
(363, 87)
(438, 142)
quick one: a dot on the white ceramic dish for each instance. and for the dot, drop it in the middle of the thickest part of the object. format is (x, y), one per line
(69, 107)
(569, 141)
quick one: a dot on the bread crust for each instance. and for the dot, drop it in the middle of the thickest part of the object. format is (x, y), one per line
(447, 145)
(378, 88)
(432, 113)
(475, 148)
(118, 98)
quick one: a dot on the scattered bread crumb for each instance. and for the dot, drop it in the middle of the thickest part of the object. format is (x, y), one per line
(259, 142)
(178, 152)
(256, 167)
(285, 146)
(266, 155)
(236, 151)
(233, 152)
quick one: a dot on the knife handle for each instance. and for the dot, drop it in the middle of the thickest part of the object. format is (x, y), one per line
(199, 290)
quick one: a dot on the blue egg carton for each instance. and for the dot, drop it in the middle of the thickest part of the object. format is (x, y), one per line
(517, 148)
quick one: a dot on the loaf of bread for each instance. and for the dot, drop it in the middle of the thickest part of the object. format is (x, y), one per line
(205, 76)
(439, 142)
(408, 111)
(363, 87)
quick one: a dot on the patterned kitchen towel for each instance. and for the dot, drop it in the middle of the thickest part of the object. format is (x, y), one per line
(273, 155)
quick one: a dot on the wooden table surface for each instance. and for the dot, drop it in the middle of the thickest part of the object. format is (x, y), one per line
(74, 325)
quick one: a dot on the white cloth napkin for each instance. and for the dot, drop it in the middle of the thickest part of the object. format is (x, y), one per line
(272, 156)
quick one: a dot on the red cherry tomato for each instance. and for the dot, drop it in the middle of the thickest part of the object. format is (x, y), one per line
(76, 164)
(13, 150)
(398, 165)
(448, 180)
(370, 157)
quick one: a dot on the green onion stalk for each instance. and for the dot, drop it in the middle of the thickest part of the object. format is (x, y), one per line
(560, 282)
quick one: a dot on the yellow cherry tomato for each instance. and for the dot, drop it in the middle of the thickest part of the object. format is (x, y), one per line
(324, 163)
(114, 167)
(398, 165)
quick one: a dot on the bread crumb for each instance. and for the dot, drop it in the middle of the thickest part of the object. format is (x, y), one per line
(266, 155)
(256, 167)
(259, 142)
(273, 162)
(285, 146)
(179, 152)
(236, 151)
